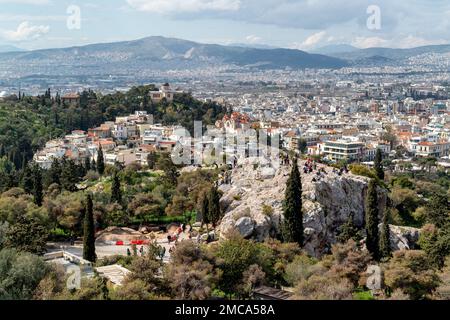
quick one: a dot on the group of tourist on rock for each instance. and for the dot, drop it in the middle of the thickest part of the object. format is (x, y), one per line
(311, 167)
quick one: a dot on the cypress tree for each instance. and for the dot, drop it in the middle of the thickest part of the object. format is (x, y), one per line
(116, 192)
(203, 209)
(27, 182)
(379, 170)
(385, 242)
(151, 160)
(87, 164)
(372, 221)
(89, 232)
(54, 174)
(37, 186)
(100, 161)
(292, 208)
(214, 212)
(69, 175)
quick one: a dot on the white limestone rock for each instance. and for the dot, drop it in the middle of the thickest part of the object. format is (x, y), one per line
(403, 238)
(245, 226)
(327, 204)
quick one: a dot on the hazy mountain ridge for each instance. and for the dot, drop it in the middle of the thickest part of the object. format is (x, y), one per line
(334, 49)
(9, 48)
(160, 52)
(390, 54)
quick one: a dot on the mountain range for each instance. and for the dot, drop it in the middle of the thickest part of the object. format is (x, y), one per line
(169, 53)
(159, 53)
(9, 48)
(334, 49)
(389, 53)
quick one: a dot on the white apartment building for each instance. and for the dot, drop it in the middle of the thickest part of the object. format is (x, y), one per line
(152, 137)
(430, 149)
(344, 150)
(123, 156)
(124, 131)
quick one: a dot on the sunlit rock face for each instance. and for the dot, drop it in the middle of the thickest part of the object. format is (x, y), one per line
(328, 203)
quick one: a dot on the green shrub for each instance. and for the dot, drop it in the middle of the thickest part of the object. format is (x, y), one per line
(361, 170)
(58, 234)
(363, 295)
(267, 210)
(124, 261)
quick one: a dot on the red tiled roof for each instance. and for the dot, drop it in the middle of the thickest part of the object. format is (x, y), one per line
(71, 96)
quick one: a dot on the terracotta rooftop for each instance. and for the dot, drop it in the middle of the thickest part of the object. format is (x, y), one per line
(71, 96)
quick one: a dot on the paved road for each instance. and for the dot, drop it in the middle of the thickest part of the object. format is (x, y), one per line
(103, 250)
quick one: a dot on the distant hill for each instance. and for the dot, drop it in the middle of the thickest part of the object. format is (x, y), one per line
(334, 49)
(8, 48)
(161, 53)
(384, 55)
(254, 46)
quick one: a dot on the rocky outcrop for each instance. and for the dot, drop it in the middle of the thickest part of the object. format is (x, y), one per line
(253, 203)
(403, 238)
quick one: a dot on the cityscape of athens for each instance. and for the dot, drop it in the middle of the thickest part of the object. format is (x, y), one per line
(238, 152)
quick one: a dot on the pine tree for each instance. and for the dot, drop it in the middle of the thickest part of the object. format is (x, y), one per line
(116, 192)
(26, 234)
(100, 161)
(349, 231)
(372, 221)
(437, 210)
(379, 170)
(292, 208)
(385, 237)
(214, 212)
(89, 232)
(166, 164)
(37, 186)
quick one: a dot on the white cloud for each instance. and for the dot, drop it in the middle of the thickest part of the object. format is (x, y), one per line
(19, 17)
(91, 5)
(369, 42)
(412, 41)
(423, 18)
(33, 2)
(252, 39)
(312, 41)
(177, 6)
(400, 42)
(25, 32)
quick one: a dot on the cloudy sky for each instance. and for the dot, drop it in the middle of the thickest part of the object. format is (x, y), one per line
(302, 24)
